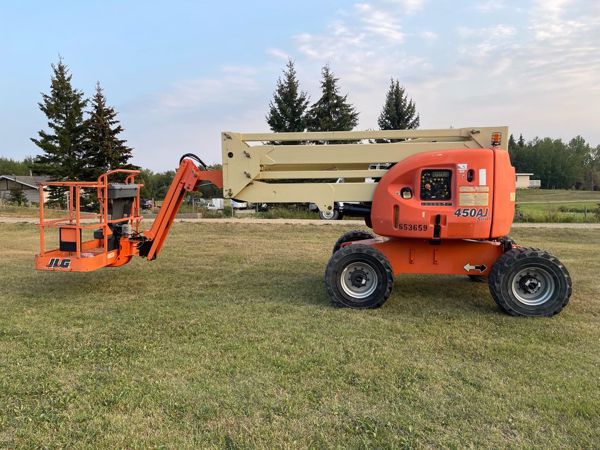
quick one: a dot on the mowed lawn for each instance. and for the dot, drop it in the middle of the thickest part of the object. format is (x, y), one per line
(228, 340)
(556, 195)
(559, 205)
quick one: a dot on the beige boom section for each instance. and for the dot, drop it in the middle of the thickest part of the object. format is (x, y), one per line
(328, 167)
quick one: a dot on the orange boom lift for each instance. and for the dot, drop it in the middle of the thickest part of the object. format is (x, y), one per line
(438, 202)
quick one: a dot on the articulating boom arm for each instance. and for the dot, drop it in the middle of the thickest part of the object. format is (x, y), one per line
(187, 179)
(298, 171)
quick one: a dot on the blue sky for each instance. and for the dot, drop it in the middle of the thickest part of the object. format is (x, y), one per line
(180, 72)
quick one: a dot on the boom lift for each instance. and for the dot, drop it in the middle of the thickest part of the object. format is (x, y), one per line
(439, 202)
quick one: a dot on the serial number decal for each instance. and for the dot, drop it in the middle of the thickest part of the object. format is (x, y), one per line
(478, 213)
(412, 227)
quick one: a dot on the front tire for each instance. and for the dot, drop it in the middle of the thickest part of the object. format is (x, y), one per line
(530, 282)
(359, 276)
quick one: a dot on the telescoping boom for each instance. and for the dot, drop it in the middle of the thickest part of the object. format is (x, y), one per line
(437, 201)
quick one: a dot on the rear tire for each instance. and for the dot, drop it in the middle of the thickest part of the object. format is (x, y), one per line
(359, 276)
(530, 282)
(351, 236)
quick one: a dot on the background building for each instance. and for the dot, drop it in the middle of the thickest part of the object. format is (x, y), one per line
(29, 185)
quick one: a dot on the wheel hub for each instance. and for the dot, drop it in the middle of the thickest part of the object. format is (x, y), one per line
(533, 286)
(530, 284)
(358, 280)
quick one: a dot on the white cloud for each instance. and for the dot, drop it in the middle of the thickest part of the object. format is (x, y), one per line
(379, 22)
(551, 7)
(538, 75)
(409, 6)
(189, 115)
(549, 22)
(489, 6)
(278, 53)
(503, 73)
(234, 82)
(496, 31)
(428, 36)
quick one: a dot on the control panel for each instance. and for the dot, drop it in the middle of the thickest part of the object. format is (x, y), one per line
(435, 184)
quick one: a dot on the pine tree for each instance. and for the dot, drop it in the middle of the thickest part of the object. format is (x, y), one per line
(512, 144)
(287, 109)
(331, 112)
(399, 113)
(103, 149)
(514, 151)
(521, 141)
(63, 144)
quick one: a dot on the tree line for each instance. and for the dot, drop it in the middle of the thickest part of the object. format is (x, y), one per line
(83, 136)
(559, 165)
(9, 166)
(290, 109)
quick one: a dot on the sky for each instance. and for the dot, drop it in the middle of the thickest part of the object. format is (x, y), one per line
(181, 72)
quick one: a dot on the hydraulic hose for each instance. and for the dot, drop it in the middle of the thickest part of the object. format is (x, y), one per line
(192, 156)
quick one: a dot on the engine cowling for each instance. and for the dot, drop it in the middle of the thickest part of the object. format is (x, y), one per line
(451, 194)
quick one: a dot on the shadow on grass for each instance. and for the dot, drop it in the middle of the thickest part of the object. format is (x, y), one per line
(412, 295)
(69, 286)
(427, 294)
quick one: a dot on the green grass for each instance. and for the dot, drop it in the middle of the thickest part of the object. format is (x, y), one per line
(228, 340)
(286, 213)
(30, 211)
(558, 206)
(558, 212)
(557, 195)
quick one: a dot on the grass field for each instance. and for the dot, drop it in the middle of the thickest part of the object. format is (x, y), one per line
(557, 206)
(30, 211)
(557, 195)
(228, 340)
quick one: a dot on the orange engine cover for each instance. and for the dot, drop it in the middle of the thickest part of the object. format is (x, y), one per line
(451, 194)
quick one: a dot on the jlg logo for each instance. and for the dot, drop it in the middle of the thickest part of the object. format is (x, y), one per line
(57, 263)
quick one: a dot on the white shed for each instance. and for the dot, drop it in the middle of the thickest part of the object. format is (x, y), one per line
(524, 181)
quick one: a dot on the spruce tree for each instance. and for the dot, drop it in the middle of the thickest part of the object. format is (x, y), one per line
(103, 149)
(521, 141)
(399, 113)
(287, 109)
(331, 112)
(512, 144)
(514, 151)
(63, 143)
